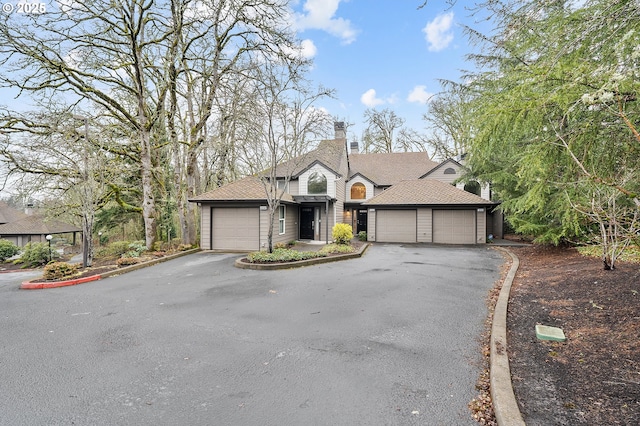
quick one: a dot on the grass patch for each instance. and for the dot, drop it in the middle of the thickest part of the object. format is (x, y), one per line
(631, 253)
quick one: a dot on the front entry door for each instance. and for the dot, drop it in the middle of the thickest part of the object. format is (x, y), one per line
(362, 221)
(306, 223)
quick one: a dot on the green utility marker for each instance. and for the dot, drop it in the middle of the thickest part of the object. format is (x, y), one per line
(544, 332)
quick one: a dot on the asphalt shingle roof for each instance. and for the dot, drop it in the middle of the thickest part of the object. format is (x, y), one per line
(9, 214)
(389, 169)
(36, 225)
(331, 153)
(426, 192)
(247, 189)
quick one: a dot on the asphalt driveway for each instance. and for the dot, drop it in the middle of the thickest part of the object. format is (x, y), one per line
(388, 339)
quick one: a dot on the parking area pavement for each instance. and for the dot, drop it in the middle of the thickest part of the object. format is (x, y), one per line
(387, 339)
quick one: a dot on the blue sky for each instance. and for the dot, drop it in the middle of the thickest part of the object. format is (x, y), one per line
(383, 53)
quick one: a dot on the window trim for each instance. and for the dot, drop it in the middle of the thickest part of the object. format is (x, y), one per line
(449, 171)
(324, 179)
(282, 217)
(358, 185)
(282, 185)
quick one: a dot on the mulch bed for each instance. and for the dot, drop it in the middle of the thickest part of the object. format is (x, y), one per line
(594, 377)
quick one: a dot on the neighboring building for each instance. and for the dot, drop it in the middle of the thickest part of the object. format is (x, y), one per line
(397, 197)
(22, 228)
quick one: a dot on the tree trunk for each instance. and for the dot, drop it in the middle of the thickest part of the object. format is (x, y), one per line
(148, 200)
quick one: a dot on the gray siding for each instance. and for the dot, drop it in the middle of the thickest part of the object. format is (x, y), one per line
(205, 226)
(290, 224)
(441, 176)
(481, 226)
(371, 225)
(425, 225)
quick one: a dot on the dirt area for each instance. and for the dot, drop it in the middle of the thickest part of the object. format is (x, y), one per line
(594, 377)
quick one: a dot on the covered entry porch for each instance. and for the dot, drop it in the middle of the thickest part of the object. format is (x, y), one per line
(315, 217)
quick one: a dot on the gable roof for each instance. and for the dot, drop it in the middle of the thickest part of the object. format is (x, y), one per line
(390, 168)
(426, 192)
(448, 161)
(247, 189)
(332, 154)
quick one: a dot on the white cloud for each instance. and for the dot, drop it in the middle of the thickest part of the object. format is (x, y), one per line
(419, 95)
(307, 49)
(438, 32)
(370, 100)
(320, 15)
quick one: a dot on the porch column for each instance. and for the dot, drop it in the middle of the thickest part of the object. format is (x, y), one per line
(326, 220)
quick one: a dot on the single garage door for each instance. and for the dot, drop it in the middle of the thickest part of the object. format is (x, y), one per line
(396, 226)
(235, 228)
(454, 226)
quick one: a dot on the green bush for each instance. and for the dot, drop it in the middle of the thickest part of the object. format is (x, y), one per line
(114, 249)
(37, 254)
(282, 255)
(7, 250)
(342, 233)
(127, 261)
(135, 249)
(362, 235)
(59, 270)
(337, 248)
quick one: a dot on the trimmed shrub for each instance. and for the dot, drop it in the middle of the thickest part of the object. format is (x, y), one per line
(337, 248)
(282, 255)
(7, 250)
(184, 247)
(37, 254)
(127, 261)
(342, 233)
(59, 270)
(362, 235)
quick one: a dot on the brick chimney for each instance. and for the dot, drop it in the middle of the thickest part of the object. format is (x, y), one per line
(354, 147)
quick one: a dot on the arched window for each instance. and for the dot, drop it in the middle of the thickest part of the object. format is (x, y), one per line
(317, 184)
(449, 171)
(472, 187)
(358, 191)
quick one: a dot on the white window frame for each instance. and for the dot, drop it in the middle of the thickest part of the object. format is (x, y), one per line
(282, 216)
(282, 184)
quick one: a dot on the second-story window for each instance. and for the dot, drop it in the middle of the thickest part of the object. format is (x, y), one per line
(358, 191)
(283, 185)
(317, 183)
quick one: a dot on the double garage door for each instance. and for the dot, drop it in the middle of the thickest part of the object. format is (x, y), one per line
(235, 228)
(448, 226)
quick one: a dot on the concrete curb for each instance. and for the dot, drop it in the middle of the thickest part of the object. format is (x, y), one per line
(290, 265)
(28, 285)
(505, 405)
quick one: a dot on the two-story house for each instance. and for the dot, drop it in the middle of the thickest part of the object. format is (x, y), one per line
(396, 197)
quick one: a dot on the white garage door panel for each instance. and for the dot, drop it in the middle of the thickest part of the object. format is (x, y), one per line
(396, 226)
(235, 228)
(454, 226)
